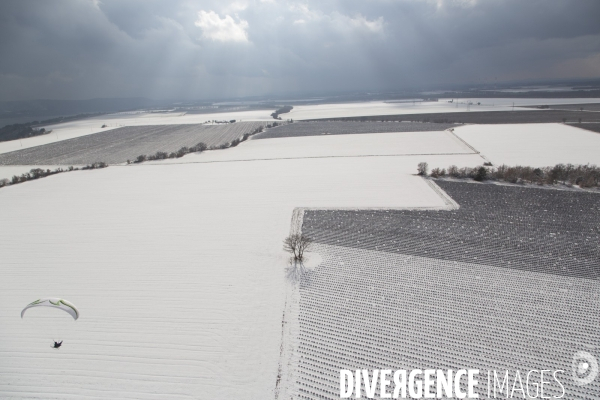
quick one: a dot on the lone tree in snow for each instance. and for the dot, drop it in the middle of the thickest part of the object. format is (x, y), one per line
(296, 245)
(422, 168)
(481, 174)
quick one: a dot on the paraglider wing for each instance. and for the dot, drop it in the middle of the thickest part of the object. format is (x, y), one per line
(61, 304)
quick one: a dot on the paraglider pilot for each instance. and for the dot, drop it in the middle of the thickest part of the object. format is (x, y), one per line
(56, 303)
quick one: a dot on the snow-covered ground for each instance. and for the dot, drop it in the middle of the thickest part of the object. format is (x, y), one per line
(177, 266)
(71, 129)
(534, 145)
(177, 269)
(523, 144)
(356, 145)
(377, 144)
(361, 109)
(88, 126)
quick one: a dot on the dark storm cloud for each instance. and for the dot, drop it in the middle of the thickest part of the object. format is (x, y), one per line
(204, 49)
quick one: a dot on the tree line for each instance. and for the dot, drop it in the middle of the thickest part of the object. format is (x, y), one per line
(584, 176)
(37, 173)
(200, 147)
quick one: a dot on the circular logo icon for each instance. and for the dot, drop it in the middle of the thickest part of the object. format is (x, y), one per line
(585, 368)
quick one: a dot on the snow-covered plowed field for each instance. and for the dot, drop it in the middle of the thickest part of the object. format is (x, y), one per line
(313, 128)
(530, 229)
(525, 116)
(92, 125)
(508, 281)
(536, 145)
(177, 270)
(122, 144)
(594, 127)
(366, 309)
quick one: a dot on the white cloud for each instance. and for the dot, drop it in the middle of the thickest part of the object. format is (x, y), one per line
(236, 6)
(374, 26)
(307, 14)
(344, 23)
(341, 22)
(221, 29)
(456, 3)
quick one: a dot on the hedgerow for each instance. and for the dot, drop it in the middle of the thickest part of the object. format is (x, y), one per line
(200, 147)
(584, 176)
(37, 173)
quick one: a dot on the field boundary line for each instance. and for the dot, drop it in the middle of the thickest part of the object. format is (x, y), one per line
(285, 386)
(296, 158)
(452, 205)
(562, 188)
(467, 144)
(583, 129)
(463, 141)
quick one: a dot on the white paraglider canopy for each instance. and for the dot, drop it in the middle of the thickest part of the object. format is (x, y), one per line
(53, 302)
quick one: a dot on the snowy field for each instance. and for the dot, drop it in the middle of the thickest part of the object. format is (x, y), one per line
(356, 145)
(88, 126)
(485, 286)
(342, 110)
(536, 145)
(445, 147)
(177, 266)
(177, 269)
(427, 313)
(119, 145)
(318, 128)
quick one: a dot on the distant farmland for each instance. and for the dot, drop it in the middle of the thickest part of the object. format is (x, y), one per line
(487, 117)
(314, 128)
(572, 107)
(122, 144)
(594, 127)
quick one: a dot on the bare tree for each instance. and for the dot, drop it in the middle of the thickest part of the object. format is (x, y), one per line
(296, 245)
(422, 168)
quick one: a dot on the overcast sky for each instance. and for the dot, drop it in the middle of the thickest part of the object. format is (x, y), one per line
(205, 49)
